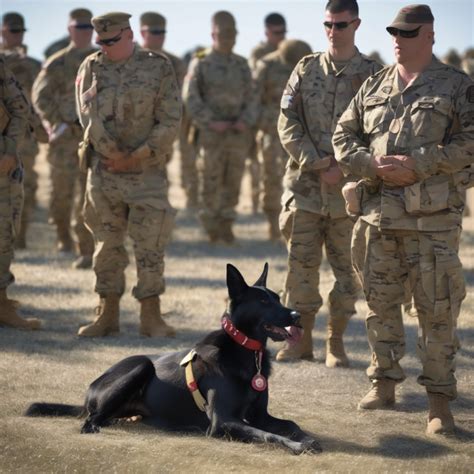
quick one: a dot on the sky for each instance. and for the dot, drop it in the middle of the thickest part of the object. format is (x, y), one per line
(189, 21)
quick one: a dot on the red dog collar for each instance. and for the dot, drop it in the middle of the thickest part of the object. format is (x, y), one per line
(238, 336)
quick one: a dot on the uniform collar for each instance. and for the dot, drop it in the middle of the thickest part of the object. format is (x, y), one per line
(352, 67)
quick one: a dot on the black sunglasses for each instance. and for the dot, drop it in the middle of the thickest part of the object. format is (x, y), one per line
(278, 32)
(157, 32)
(83, 27)
(17, 30)
(339, 25)
(109, 41)
(403, 33)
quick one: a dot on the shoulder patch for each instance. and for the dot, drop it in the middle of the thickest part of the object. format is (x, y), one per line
(470, 94)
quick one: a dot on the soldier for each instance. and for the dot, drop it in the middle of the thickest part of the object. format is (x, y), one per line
(271, 75)
(275, 31)
(409, 134)
(222, 103)
(130, 108)
(153, 30)
(468, 62)
(57, 46)
(453, 59)
(25, 70)
(313, 214)
(53, 97)
(14, 110)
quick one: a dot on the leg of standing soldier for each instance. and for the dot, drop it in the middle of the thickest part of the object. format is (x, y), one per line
(210, 169)
(272, 158)
(11, 196)
(236, 151)
(85, 241)
(305, 233)
(150, 223)
(105, 214)
(439, 292)
(189, 180)
(253, 167)
(376, 259)
(342, 298)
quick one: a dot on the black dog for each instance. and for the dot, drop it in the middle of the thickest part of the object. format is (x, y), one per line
(220, 387)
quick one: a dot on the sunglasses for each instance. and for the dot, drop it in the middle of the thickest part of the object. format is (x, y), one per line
(339, 25)
(403, 33)
(17, 30)
(157, 32)
(278, 32)
(109, 41)
(83, 27)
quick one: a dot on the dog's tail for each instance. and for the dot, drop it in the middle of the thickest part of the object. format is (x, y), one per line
(55, 409)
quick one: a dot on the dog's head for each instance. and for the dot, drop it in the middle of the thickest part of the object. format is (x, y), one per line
(256, 310)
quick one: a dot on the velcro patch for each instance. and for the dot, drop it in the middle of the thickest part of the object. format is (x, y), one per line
(470, 94)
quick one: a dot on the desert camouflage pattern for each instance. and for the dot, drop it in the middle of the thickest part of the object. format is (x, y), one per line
(271, 75)
(435, 122)
(261, 50)
(129, 107)
(320, 91)
(219, 87)
(54, 99)
(14, 114)
(306, 233)
(407, 238)
(25, 70)
(393, 266)
(313, 212)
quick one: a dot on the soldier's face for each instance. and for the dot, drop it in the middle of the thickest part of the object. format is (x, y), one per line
(121, 46)
(12, 39)
(81, 37)
(153, 40)
(409, 50)
(341, 34)
(223, 41)
(275, 34)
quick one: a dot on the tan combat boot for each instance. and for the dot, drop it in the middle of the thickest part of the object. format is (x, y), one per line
(9, 316)
(226, 232)
(335, 353)
(107, 321)
(151, 322)
(302, 349)
(440, 418)
(65, 242)
(380, 396)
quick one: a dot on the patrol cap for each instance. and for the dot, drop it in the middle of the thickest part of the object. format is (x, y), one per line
(80, 17)
(153, 22)
(111, 24)
(14, 21)
(411, 17)
(291, 51)
(225, 21)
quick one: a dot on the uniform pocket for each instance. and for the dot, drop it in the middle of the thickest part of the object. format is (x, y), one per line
(428, 196)
(375, 114)
(430, 117)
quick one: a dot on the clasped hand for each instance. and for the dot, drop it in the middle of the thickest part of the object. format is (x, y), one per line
(396, 170)
(121, 162)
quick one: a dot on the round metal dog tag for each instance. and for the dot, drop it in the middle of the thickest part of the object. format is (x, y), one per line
(259, 383)
(395, 126)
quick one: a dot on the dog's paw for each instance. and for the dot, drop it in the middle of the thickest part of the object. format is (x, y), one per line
(312, 446)
(89, 428)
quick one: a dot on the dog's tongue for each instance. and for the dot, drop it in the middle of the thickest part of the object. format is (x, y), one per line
(295, 334)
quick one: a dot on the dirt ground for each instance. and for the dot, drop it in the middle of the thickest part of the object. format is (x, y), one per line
(55, 365)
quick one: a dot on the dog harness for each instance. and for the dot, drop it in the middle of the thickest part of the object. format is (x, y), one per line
(191, 383)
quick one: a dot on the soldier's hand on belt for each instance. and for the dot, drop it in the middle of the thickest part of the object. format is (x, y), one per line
(220, 126)
(7, 164)
(333, 174)
(123, 165)
(239, 126)
(396, 170)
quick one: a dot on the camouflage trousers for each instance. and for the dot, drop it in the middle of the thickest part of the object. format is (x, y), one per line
(68, 187)
(306, 233)
(11, 201)
(27, 151)
(136, 203)
(220, 164)
(393, 268)
(189, 178)
(272, 159)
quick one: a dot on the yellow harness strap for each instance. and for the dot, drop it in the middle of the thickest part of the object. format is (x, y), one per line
(191, 383)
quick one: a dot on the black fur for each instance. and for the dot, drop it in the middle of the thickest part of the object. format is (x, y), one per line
(154, 387)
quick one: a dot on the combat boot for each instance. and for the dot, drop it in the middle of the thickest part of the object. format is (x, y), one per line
(380, 396)
(20, 240)
(83, 262)
(335, 353)
(65, 242)
(440, 418)
(107, 321)
(9, 316)
(226, 233)
(151, 322)
(303, 349)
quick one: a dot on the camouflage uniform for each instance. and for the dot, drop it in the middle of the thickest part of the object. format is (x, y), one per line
(218, 87)
(133, 107)
(271, 75)
(313, 213)
(53, 98)
(25, 70)
(406, 240)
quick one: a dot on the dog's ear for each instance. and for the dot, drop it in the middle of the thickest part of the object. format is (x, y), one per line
(262, 281)
(235, 282)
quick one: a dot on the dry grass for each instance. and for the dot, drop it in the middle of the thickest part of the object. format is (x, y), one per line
(54, 365)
